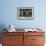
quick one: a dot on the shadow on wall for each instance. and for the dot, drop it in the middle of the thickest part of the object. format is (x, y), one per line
(2, 26)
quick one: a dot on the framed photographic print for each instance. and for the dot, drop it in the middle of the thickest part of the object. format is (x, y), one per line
(25, 13)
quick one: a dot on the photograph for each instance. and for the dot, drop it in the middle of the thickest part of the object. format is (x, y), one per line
(25, 13)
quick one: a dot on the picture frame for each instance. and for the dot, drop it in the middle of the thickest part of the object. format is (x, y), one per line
(25, 13)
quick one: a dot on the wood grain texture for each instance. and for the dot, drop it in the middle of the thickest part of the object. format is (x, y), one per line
(13, 39)
(34, 39)
(23, 38)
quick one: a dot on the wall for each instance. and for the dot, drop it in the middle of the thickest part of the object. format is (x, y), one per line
(8, 13)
